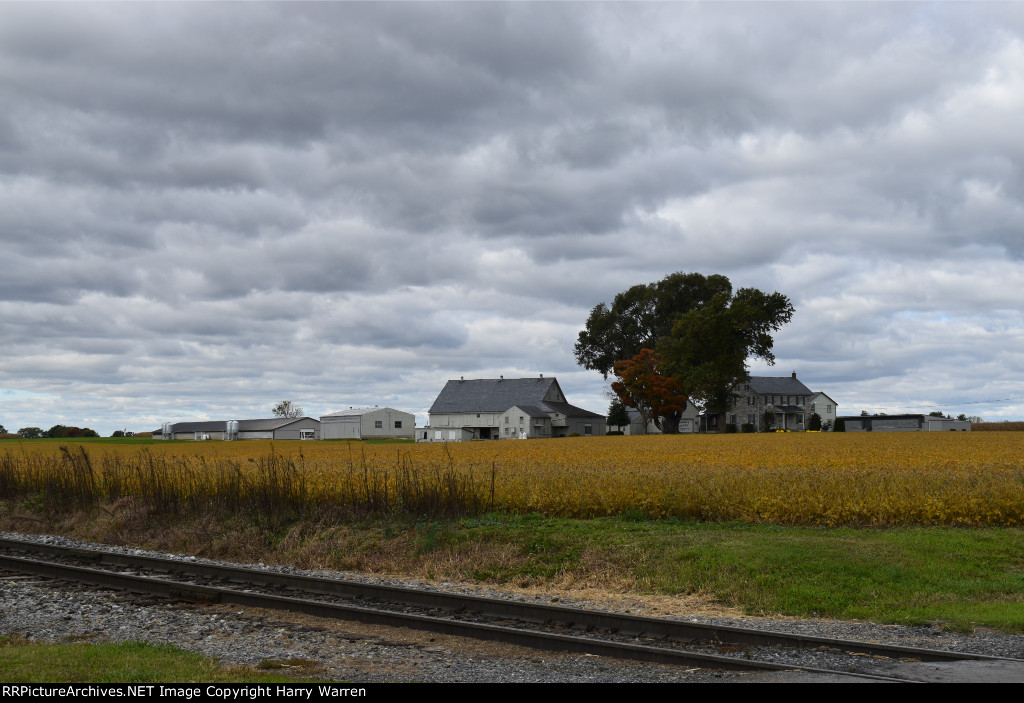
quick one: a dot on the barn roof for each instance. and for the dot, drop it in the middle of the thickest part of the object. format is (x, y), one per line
(258, 425)
(491, 394)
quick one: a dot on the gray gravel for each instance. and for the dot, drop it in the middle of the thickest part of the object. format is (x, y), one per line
(43, 611)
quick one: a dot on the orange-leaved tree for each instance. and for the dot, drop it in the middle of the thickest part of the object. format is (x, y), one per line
(643, 386)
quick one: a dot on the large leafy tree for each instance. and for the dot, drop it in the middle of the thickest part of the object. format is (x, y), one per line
(708, 348)
(640, 317)
(703, 332)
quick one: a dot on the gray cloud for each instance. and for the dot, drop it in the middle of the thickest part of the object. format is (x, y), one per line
(206, 208)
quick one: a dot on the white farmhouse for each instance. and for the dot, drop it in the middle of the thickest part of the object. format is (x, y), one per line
(826, 408)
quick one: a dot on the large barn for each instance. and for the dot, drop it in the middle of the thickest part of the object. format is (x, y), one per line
(500, 408)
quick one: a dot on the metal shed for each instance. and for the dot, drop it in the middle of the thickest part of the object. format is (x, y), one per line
(365, 423)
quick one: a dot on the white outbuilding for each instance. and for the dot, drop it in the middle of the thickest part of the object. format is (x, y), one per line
(368, 423)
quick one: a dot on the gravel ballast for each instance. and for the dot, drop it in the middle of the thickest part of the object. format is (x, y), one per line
(45, 611)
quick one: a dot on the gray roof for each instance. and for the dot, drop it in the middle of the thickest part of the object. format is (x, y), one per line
(570, 410)
(490, 394)
(533, 411)
(778, 385)
(498, 395)
(262, 425)
(360, 411)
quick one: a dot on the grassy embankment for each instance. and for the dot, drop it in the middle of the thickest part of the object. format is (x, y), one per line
(431, 515)
(133, 663)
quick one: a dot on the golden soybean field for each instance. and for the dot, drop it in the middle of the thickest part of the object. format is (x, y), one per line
(866, 479)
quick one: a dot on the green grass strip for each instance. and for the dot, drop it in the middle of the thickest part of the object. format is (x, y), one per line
(130, 662)
(955, 577)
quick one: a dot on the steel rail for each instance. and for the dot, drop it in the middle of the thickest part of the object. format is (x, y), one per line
(459, 606)
(630, 625)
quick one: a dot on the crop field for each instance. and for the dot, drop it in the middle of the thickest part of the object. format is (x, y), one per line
(869, 479)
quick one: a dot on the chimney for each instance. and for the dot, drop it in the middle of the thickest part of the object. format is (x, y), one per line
(501, 378)
(794, 374)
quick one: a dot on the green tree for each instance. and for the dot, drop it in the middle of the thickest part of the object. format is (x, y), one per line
(703, 332)
(814, 422)
(31, 432)
(287, 409)
(639, 318)
(618, 416)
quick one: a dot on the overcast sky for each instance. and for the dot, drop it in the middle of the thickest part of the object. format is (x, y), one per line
(209, 208)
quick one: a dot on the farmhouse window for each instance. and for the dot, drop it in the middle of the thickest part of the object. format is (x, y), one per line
(398, 424)
(378, 424)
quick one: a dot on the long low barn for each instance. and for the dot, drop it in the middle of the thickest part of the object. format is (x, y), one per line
(903, 423)
(272, 428)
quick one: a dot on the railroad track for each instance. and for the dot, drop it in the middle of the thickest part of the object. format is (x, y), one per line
(539, 626)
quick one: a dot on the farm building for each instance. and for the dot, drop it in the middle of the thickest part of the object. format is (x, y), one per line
(363, 423)
(689, 423)
(273, 428)
(500, 408)
(903, 423)
(825, 407)
(788, 400)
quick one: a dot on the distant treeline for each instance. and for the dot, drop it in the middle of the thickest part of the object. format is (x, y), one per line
(58, 431)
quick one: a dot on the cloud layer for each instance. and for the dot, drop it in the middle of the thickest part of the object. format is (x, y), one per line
(207, 208)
